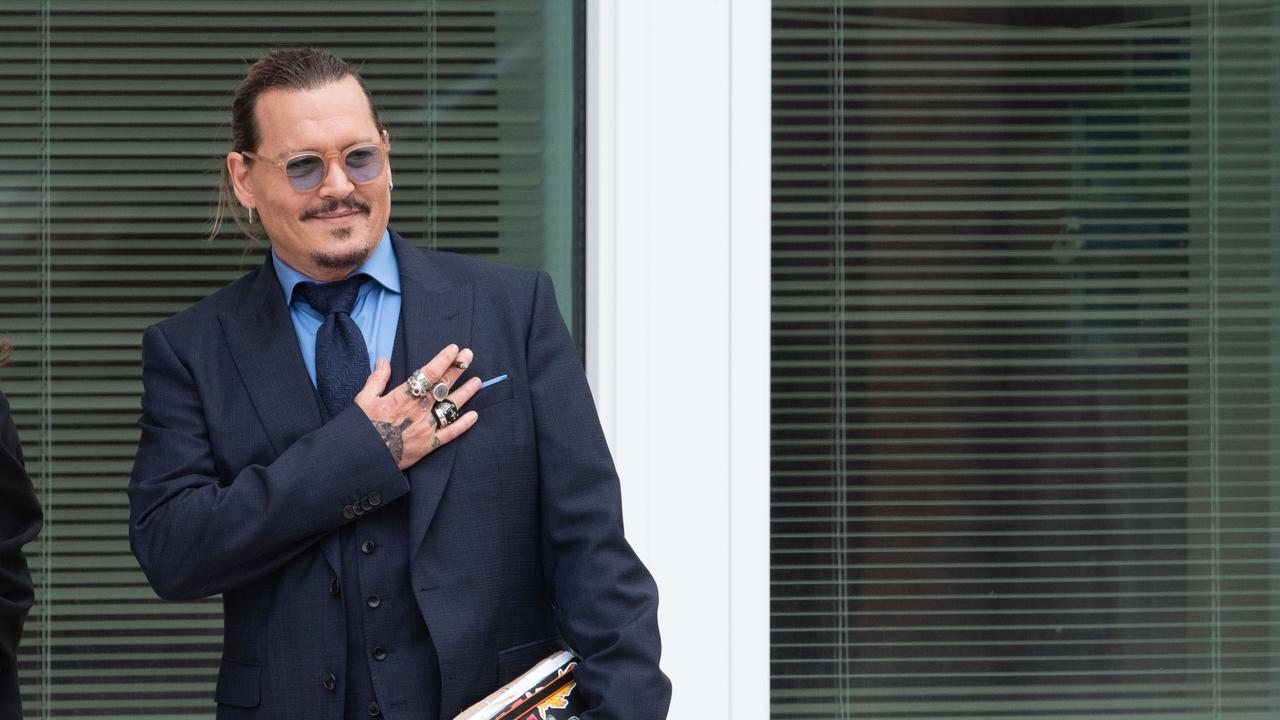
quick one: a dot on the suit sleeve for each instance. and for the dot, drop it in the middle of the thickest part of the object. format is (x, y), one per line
(195, 535)
(606, 602)
(19, 522)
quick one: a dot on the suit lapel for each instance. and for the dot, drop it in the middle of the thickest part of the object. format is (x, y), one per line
(435, 310)
(264, 346)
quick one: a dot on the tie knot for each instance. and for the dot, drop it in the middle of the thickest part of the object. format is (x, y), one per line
(332, 297)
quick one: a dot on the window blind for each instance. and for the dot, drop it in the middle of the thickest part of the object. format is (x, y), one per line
(113, 120)
(1025, 346)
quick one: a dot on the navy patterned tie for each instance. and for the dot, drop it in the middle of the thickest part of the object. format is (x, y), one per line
(342, 359)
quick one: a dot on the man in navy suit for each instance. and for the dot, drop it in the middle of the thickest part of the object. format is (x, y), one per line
(383, 548)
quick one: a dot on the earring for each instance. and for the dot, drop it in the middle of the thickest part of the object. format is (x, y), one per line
(391, 184)
(250, 216)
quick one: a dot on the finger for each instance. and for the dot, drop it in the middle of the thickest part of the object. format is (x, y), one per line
(465, 392)
(438, 414)
(453, 429)
(377, 381)
(458, 367)
(436, 366)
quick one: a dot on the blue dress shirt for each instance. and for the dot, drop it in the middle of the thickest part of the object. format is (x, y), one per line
(376, 312)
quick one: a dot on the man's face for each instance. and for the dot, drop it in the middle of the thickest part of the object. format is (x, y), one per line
(328, 231)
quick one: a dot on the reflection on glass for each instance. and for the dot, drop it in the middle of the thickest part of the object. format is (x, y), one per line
(1024, 280)
(115, 119)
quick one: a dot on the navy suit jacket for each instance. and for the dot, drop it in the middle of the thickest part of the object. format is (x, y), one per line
(20, 520)
(515, 532)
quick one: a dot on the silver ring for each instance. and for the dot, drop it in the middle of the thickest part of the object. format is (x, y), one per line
(418, 385)
(445, 412)
(440, 391)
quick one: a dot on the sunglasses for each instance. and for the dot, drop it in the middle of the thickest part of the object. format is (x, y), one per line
(363, 163)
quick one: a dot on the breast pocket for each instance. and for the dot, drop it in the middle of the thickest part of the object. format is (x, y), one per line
(490, 396)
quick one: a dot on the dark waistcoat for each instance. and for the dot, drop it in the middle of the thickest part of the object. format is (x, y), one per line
(392, 668)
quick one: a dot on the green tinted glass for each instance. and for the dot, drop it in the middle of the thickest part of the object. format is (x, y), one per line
(1025, 391)
(115, 119)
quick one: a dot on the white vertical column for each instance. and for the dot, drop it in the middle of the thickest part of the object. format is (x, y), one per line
(750, 262)
(601, 210)
(678, 322)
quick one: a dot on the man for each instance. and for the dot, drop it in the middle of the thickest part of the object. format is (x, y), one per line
(383, 548)
(20, 520)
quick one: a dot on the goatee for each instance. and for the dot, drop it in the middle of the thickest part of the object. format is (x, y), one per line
(352, 259)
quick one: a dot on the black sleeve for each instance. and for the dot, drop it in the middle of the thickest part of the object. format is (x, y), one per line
(19, 522)
(606, 602)
(195, 537)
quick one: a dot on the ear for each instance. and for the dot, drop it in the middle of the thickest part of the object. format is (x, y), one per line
(241, 181)
(387, 139)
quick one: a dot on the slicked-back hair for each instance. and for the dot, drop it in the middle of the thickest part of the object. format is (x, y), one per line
(289, 68)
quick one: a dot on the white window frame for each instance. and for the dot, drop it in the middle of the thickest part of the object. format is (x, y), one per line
(678, 103)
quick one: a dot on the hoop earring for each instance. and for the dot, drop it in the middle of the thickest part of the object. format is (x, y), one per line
(391, 184)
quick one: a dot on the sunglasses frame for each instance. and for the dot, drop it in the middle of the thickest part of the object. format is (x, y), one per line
(382, 145)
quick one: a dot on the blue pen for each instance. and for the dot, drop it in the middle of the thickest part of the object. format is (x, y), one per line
(493, 381)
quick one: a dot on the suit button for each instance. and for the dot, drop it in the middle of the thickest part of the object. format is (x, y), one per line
(374, 710)
(379, 654)
(375, 499)
(364, 503)
(374, 601)
(355, 508)
(348, 512)
(367, 547)
(329, 681)
(335, 587)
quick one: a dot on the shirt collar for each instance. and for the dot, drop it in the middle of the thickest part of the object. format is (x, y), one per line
(381, 265)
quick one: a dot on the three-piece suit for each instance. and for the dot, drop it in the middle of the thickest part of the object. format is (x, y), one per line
(507, 541)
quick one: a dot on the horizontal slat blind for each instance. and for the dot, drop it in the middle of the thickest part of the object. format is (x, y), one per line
(1025, 346)
(113, 118)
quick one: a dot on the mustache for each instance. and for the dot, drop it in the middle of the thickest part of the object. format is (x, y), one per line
(333, 205)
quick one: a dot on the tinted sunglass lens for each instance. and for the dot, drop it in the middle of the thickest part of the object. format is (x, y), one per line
(364, 164)
(305, 172)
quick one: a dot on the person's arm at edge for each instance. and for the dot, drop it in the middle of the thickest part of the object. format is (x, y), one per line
(20, 520)
(194, 536)
(606, 601)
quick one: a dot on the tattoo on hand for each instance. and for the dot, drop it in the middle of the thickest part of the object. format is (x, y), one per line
(435, 442)
(393, 436)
